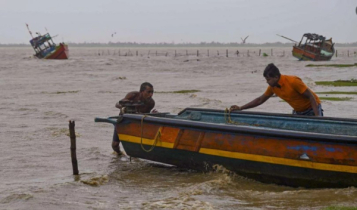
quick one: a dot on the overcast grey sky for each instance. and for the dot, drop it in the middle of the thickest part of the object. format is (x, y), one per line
(178, 21)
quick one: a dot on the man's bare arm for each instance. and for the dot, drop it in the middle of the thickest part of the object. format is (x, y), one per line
(308, 94)
(128, 98)
(256, 102)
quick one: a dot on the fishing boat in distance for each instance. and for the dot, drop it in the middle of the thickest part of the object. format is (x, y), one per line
(297, 151)
(45, 48)
(313, 47)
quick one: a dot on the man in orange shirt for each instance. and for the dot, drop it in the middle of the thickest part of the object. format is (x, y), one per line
(289, 88)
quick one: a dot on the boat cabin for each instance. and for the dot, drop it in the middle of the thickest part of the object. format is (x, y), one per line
(43, 45)
(316, 44)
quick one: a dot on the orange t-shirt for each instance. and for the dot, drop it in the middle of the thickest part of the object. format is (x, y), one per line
(291, 90)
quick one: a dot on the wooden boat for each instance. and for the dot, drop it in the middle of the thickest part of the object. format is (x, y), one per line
(297, 151)
(314, 47)
(45, 47)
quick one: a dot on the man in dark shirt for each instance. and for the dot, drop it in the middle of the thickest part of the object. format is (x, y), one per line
(144, 104)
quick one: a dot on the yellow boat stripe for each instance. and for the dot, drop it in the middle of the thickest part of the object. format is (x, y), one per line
(135, 139)
(250, 157)
(280, 161)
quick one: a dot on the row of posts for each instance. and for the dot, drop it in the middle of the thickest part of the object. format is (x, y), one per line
(129, 53)
(348, 53)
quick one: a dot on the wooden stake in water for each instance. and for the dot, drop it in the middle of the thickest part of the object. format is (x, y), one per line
(72, 135)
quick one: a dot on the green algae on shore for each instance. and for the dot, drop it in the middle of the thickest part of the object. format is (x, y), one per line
(340, 208)
(60, 92)
(337, 92)
(330, 99)
(335, 99)
(332, 65)
(338, 83)
(179, 91)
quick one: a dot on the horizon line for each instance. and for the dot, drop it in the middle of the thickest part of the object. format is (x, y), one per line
(173, 43)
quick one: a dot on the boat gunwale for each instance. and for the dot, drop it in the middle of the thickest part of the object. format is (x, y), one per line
(244, 129)
(273, 115)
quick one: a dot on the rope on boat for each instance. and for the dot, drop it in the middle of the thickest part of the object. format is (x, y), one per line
(227, 117)
(158, 135)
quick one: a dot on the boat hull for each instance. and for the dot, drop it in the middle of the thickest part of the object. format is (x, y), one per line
(291, 158)
(261, 171)
(302, 54)
(61, 52)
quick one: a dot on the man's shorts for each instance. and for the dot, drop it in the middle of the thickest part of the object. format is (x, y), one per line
(310, 112)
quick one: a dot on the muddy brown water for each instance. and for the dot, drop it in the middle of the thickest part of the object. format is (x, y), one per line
(39, 97)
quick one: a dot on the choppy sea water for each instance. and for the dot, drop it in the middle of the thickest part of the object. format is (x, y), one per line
(39, 97)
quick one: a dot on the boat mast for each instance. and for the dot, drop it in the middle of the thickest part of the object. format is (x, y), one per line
(29, 30)
(287, 38)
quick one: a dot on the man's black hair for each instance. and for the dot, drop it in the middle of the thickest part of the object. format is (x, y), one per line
(144, 85)
(271, 71)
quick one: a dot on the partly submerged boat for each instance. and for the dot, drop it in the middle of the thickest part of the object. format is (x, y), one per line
(313, 47)
(45, 47)
(272, 148)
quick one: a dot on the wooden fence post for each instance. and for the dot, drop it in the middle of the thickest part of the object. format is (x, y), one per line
(336, 53)
(72, 135)
(260, 52)
(197, 53)
(227, 53)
